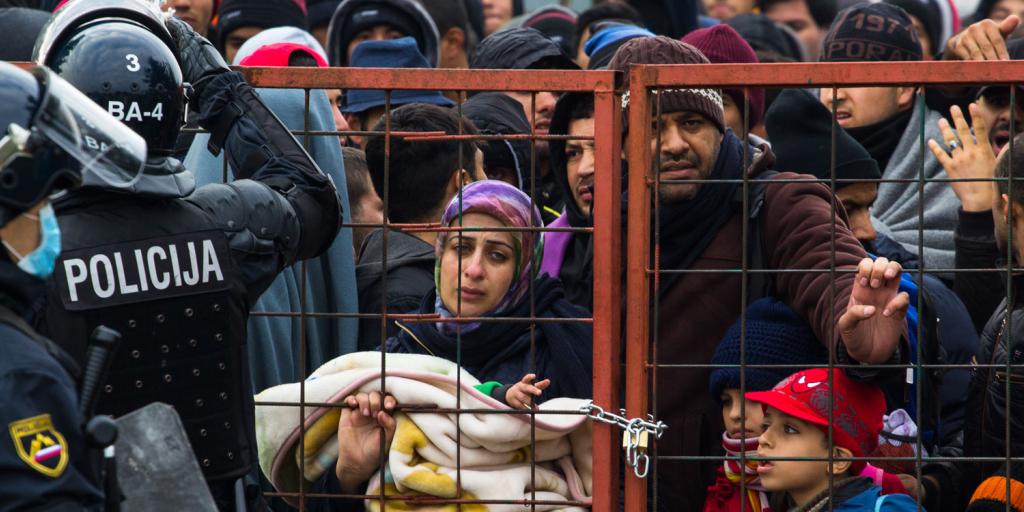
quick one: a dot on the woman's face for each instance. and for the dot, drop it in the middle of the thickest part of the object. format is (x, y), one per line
(485, 261)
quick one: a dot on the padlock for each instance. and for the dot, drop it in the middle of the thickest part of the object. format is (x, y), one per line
(641, 440)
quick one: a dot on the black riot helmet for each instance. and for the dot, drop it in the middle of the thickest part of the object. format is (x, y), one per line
(120, 54)
(52, 138)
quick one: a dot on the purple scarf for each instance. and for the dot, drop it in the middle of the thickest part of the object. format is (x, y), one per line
(512, 208)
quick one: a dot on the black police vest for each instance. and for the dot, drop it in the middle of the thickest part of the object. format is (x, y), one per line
(161, 273)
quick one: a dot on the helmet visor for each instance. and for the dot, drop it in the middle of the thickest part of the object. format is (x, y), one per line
(111, 154)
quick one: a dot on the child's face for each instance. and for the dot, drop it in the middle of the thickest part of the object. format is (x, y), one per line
(786, 436)
(735, 426)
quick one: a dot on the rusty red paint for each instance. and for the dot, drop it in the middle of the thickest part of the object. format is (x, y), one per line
(432, 79)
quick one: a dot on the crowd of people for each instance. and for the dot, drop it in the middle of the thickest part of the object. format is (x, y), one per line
(867, 362)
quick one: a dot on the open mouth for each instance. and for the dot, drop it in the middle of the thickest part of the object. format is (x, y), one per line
(843, 116)
(765, 467)
(1000, 137)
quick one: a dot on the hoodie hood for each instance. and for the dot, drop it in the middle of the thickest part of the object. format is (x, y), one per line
(410, 17)
(519, 48)
(495, 113)
(559, 166)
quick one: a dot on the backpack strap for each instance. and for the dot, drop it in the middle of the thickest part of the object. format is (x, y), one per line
(880, 502)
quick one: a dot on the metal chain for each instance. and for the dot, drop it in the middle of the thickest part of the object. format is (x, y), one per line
(634, 437)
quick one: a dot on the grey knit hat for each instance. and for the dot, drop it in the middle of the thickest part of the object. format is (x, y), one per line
(664, 50)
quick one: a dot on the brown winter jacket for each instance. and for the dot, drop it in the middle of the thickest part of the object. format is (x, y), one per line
(796, 223)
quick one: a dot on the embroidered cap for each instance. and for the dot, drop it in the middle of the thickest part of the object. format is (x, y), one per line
(857, 407)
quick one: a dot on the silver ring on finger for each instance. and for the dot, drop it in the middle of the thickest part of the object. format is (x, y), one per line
(953, 145)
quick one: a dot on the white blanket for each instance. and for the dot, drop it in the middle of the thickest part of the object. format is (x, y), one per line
(492, 450)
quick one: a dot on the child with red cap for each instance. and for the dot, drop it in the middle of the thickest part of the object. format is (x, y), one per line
(796, 425)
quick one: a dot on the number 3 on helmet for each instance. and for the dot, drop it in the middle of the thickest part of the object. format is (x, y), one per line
(120, 54)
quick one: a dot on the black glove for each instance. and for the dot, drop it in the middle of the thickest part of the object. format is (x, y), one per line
(200, 61)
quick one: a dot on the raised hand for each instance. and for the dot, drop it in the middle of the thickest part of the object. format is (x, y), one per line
(520, 395)
(875, 316)
(360, 426)
(972, 157)
(984, 40)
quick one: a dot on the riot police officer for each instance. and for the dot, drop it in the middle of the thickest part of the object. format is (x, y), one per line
(174, 268)
(48, 130)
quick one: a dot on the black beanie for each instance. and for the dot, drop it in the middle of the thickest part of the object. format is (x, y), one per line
(823, 11)
(258, 13)
(320, 11)
(800, 130)
(406, 16)
(871, 32)
(764, 35)
(930, 18)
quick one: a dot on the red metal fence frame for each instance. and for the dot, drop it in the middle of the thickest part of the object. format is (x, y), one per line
(607, 217)
(645, 78)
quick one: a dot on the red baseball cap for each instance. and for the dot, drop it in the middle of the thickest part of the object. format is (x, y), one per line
(277, 54)
(857, 407)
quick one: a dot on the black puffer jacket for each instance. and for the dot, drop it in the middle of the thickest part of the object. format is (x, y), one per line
(985, 429)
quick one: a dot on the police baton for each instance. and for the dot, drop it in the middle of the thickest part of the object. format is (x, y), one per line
(98, 358)
(101, 431)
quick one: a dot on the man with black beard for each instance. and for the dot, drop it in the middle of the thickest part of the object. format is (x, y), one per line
(858, 312)
(570, 256)
(995, 105)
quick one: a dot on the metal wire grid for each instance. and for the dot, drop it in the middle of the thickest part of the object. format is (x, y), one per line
(643, 260)
(607, 284)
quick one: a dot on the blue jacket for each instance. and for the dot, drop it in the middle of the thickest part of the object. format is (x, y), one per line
(868, 501)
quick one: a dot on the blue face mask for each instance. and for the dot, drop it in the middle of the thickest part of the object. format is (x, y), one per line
(40, 261)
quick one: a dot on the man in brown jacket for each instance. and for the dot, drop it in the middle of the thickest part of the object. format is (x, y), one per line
(856, 310)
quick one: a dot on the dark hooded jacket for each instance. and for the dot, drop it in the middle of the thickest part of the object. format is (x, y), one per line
(410, 276)
(494, 113)
(668, 17)
(568, 256)
(519, 48)
(501, 351)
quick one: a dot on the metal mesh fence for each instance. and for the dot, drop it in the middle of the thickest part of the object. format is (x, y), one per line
(605, 322)
(628, 272)
(655, 363)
